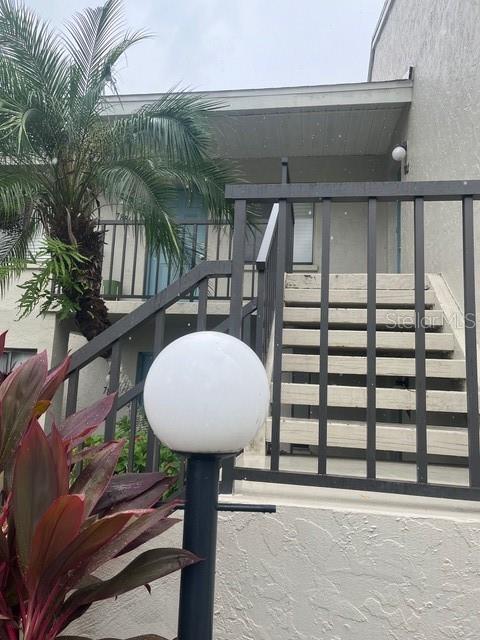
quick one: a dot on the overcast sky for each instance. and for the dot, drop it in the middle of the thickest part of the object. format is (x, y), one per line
(234, 44)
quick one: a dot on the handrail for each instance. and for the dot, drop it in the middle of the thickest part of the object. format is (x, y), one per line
(355, 191)
(267, 240)
(165, 298)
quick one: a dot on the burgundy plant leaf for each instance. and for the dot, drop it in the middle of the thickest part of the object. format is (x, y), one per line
(2, 342)
(151, 533)
(145, 568)
(86, 454)
(74, 557)
(93, 480)
(59, 454)
(19, 394)
(147, 499)
(54, 379)
(57, 528)
(141, 525)
(80, 425)
(35, 487)
(127, 486)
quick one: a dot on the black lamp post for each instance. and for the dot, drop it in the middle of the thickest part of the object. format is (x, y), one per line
(206, 395)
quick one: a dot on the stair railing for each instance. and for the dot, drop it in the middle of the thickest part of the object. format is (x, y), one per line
(270, 318)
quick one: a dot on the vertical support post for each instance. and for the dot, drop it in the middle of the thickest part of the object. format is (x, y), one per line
(420, 352)
(236, 304)
(197, 585)
(278, 335)
(72, 393)
(260, 322)
(113, 383)
(158, 344)
(202, 305)
(238, 268)
(290, 238)
(470, 341)
(324, 302)
(371, 337)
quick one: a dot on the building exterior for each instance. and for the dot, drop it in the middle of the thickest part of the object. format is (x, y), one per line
(332, 564)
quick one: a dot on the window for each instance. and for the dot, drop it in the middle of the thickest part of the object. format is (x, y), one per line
(10, 358)
(303, 233)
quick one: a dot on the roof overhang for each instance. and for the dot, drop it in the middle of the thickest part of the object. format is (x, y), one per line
(328, 120)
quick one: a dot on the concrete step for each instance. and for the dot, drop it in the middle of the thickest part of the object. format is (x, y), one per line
(357, 365)
(352, 281)
(400, 318)
(348, 297)
(451, 441)
(345, 339)
(387, 398)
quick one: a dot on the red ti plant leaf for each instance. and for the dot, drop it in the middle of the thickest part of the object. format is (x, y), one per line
(140, 525)
(35, 487)
(125, 487)
(54, 379)
(19, 394)
(145, 568)
(80, 425)
(97, 474)
(57, 528)
(2, 342)
(59, 454)
(74, 557)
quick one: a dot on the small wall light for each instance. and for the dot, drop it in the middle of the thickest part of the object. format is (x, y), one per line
(399, 153)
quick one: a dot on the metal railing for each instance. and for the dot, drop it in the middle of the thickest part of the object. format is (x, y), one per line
(275, 262)
(264, 309)
(131, 270)
(149, 319)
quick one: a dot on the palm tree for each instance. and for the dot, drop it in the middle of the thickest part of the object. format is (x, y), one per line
(62, 155)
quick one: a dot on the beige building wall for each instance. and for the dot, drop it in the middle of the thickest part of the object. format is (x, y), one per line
(441, 40)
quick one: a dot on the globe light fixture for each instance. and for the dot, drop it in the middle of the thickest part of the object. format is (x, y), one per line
(206, 395)
(206, 392)
(399, 153)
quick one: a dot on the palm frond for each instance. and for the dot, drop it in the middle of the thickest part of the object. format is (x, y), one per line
(95, 41)
(143, 197)
(14, 250)
(33, 50)
(174, 128)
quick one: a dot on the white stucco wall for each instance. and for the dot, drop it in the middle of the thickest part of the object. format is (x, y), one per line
(353, 568)
(441, 40)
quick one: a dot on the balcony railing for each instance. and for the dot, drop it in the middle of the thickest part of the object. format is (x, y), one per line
(131, 270)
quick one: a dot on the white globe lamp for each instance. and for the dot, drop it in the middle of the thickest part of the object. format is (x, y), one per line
(206, 392)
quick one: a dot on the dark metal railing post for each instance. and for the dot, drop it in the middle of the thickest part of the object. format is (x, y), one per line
(238, 268)
(371, 337)
(158, 344)
(260, 322)
(323, 364)
(113, 384)
(420, 352)
(470, 340)
(202, 305)
(278, 334)
(236, 304)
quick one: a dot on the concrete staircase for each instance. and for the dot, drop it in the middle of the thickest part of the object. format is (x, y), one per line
(446, 398)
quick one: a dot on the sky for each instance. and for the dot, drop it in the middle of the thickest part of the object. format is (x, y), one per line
(237, 44)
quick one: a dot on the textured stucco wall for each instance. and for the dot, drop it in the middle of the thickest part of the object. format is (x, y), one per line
(441, 40)
(339, 574)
